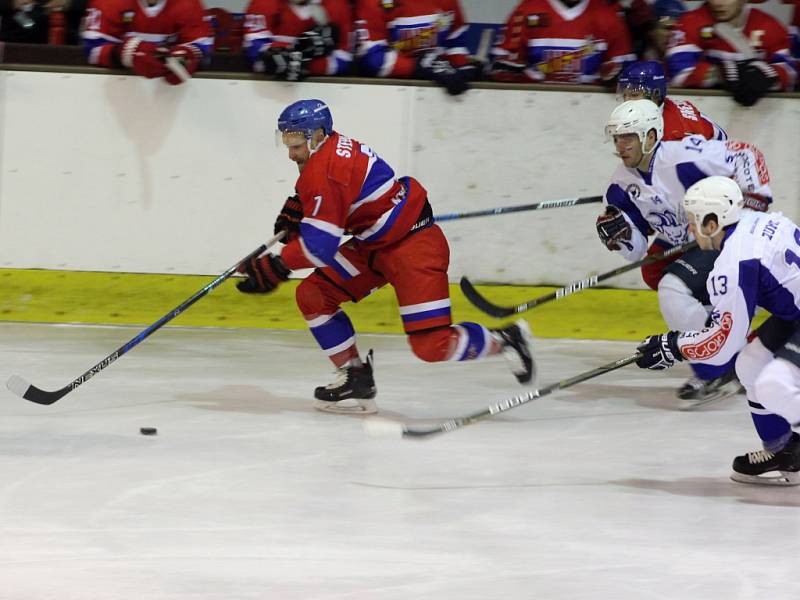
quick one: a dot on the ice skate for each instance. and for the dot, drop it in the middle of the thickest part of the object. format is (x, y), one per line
(766, 468)
(352, 393)
(697, 392)
(517, 341)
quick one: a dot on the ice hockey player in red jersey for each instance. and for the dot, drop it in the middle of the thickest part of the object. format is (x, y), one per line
(292, 39)
(563, 41)
(157, 38)
(420, 39)
(345, 188)
(646, 79)
(725, 42)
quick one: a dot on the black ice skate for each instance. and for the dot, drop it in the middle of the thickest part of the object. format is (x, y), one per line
(351, 393)
(517, 341)
(697, 392)
(765, 468)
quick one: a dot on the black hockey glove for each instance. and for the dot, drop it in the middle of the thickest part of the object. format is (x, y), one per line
(289, 219)
(749, 80)
(283, 63)
(431, 66)
(264, 274)
(659, 352)
(613, 228)
(317, 42)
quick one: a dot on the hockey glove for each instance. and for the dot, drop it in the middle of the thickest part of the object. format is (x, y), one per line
(317, 42)
(431, 66)
(145, 58)
(507, 71)
(264, 274)
(749, 80)
(659, 352)
(613, 228)
(289, 219)
(189, 57)
(283, 63)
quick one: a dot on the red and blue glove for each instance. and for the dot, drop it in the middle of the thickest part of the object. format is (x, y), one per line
(145, 58)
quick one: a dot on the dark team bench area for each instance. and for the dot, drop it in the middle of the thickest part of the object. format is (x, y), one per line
(72, 59)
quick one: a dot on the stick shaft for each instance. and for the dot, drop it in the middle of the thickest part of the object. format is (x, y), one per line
(502, 210)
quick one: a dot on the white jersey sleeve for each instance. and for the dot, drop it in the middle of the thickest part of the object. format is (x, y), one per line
(759, 265)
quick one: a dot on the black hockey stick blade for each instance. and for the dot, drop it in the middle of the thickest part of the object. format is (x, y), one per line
(28, 391)
(504, 210)
(378, 427)
(482, 304)
(497, 311)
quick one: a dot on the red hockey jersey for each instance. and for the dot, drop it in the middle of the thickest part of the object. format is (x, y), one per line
(168, 22)
(345, 188)
(695, 48)
(279, 22)
(684, 118)
(391, 34)
(581, 44)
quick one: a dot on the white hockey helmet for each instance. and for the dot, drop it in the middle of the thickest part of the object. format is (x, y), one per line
(639, 117)
(716, 195)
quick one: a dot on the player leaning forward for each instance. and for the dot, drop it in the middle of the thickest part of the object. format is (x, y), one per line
(344, 188)
(758, 265)
(645, 196)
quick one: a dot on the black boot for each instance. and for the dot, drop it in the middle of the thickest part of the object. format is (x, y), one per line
(351, 393)
(784, 465)
(517, 343)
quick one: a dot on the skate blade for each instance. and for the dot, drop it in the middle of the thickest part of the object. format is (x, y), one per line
(771, 478)
(351, 406)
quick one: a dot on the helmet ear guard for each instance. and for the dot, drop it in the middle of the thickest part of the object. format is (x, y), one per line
(639, 117)
(716, 195)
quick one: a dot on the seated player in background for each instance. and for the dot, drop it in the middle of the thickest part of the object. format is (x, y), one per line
(563, 41)
(344, 188)
(292, 39)
(157, 38)
(726, 43)
(644, 197)
(757, 264)
(419, 39)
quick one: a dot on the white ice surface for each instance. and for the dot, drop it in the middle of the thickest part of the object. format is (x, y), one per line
(603, 491)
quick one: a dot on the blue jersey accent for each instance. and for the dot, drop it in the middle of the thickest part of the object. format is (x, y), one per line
(378, 175)
(335, 332)
(689, 174)
(321, 244)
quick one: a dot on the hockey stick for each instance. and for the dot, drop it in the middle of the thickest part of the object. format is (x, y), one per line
(21, 387)
(519, 208)
(499, 312)
(385, 428)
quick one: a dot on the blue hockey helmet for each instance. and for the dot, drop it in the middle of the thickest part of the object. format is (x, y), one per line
(671, 9)
(306, 116)
(646, 77)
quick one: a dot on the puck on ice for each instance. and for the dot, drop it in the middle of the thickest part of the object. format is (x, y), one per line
(148, 430)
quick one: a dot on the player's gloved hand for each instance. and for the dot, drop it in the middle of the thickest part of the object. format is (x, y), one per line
(317, 42)
(145, 58)
(749, 80)
(289, 219)
(613, 228)
(757, 202)
(264, 274)
(282, 63)
(189, 57)
(659, 352)
(432, 66)
(507, 71)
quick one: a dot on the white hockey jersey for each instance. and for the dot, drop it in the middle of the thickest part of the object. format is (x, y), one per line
(653, 201)
(759, 265)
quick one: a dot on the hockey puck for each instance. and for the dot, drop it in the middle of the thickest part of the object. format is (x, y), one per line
(148, 430)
